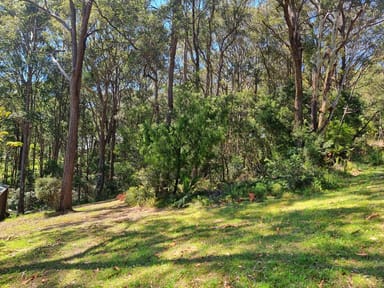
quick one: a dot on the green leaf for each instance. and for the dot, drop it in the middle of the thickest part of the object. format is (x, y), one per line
(14, 144)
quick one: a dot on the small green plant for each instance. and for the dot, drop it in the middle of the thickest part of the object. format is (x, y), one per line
(48, 190)
(316, 186)
(330, 180)
(277, 189)
(375, 156)
(234, 191)
(260, 190)
(140, 196)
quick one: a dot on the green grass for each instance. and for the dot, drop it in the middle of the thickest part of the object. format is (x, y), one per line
(327, 240)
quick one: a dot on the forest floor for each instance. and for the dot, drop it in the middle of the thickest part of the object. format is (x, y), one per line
(332, 239)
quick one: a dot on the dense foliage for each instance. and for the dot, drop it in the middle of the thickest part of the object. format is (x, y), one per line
(195, 99)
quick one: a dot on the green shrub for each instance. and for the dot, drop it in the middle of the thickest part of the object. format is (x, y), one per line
(260, 189)
(185, 148)
(48, 190)
(277, 189)
(234, 191)
(329, 180)
(294, 170)
(375, 156)
(316, 186)
(140, 196)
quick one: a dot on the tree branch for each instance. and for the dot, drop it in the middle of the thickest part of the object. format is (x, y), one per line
(360, 132)
(61, 68)
(50, 13)
(276, 34)
(115, 28)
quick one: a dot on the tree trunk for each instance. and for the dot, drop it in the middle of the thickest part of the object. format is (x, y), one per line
(314, 100)
(41, 153)
(23, 166)
(78, 51)
(185, 59)
(112, 153)
(209, 76)
(171, 73)
(113, 127)
(6, 168)
(101, 168)
(24, 153)
(298, 88)
(195, 41)
(71, 149)
(292, 12)
(220, 72)
(156, 104)
(172, 57)
(103, 126)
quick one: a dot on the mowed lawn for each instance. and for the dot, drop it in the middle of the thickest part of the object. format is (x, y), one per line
(333, 239)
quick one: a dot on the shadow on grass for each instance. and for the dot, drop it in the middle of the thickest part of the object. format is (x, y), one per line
(142, 249)
(366, 178)
(291, 248)
(278, 269)
(96, 207)
(116, 214)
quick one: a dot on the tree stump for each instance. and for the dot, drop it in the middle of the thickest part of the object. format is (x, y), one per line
(3, 202)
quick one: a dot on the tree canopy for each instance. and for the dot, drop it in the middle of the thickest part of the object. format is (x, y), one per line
(167, 99)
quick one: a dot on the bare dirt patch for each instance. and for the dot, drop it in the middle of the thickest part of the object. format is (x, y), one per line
(90, 215)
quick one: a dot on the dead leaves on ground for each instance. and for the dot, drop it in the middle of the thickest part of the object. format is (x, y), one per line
(28, 280)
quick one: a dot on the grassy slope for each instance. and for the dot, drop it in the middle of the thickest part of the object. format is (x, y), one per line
(327, 240)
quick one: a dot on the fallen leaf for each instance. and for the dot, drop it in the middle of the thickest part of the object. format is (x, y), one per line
(198, 265)
(363, 254)
(44, 280)
(29, 280)
(227, 284)
(116, 268)
(321, 284)
(372, 216)
(350, 282)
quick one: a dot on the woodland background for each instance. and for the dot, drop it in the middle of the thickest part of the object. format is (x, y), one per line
(192, 99)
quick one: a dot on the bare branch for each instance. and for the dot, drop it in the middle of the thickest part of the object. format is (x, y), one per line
(61, 68)
(50, 13)
(276, 34)
(115, 28)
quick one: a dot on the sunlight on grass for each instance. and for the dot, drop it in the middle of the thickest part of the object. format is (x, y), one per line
(333, 239)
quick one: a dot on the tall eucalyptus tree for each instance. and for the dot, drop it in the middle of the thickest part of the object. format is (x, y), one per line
(79, 32)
